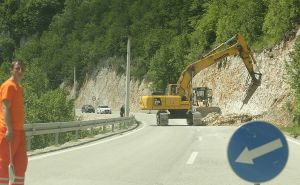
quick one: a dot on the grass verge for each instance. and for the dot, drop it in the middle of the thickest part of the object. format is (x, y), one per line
(293, 131)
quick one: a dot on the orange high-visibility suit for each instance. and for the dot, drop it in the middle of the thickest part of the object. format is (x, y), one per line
(13, 92)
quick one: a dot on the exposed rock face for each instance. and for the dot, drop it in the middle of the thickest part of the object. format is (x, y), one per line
(227, 80)
(105, 87)
(229, 84)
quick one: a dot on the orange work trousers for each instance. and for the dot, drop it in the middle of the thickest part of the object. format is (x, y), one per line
(19, 157)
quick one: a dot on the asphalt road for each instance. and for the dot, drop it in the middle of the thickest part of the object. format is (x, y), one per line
(174, 155)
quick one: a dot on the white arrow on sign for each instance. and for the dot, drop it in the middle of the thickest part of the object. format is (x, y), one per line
(247, 155)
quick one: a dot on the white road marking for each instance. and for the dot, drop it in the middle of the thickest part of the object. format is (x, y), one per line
(42, 156)
(293, 141)
(192, 158)
(200, 138)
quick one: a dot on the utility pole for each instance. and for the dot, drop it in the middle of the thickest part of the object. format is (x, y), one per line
(74, 90)
(127, 79)
(74, 85)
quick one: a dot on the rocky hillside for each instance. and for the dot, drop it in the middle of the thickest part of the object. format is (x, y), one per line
(228, 81)
(271, 99)
(105, 87)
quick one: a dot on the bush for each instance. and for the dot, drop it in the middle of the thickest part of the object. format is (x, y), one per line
(53, 106)
(293, 69)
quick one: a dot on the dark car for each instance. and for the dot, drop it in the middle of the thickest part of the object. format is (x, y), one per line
(88, 109)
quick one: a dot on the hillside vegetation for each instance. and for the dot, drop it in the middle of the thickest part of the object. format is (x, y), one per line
(54, 36)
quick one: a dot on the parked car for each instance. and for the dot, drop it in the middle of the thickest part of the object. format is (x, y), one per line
(87, 109)
(103, 109)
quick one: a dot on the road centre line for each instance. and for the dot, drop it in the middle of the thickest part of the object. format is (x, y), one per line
(192, 158)
(42, 156)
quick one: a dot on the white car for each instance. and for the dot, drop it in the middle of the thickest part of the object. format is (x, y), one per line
(103, 109)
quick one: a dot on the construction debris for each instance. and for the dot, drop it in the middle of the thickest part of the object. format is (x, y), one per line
(215, 119)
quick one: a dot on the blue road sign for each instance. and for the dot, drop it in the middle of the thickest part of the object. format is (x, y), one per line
(257, 151)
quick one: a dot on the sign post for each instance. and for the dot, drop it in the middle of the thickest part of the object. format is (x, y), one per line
(257, 152)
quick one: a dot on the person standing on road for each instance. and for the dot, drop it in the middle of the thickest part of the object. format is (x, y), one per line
(122, 111)
(12, 134)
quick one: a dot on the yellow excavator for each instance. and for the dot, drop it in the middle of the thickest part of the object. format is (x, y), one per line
(178, 101)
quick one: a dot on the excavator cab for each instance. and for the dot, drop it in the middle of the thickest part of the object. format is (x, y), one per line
(171, 89)
(202, 96)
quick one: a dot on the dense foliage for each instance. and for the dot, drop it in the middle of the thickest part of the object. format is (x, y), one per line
(54, 36)
(294, 73)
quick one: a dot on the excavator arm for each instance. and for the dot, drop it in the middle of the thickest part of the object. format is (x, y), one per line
(236, 45)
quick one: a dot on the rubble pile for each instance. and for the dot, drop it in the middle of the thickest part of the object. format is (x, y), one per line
(215, 119)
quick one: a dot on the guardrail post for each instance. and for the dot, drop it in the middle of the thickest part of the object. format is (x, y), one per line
(103, 128)
(56, 138)
(92, 130)
(78, 131)
(29, 143)
(76, 134)
(113, 127)
(125, 124)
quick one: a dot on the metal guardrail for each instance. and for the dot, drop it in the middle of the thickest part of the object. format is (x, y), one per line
(60, 127)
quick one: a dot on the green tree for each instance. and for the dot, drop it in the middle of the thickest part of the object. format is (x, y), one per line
(167, 64)
(36, 15)
(7, 47)
(281, 16)
(204, 34)
(240, 16)
(22, 18)
(4, 71)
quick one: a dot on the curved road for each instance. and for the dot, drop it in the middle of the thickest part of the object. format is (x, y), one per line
(152, 155)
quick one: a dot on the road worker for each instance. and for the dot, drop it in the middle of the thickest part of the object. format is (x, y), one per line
(12, 135)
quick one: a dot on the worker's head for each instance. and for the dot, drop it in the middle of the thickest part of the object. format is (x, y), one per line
(17, 69)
